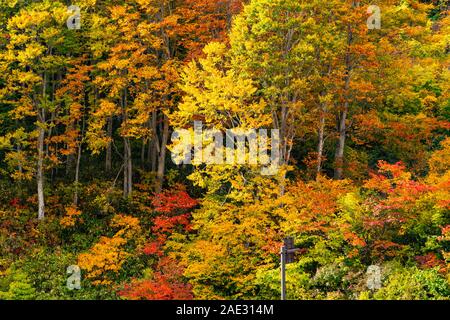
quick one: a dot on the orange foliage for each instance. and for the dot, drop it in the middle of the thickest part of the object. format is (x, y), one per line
(166, 284)
(103, 260)
(71, 218)
(106, 258)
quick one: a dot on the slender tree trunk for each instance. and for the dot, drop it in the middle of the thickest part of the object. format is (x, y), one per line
(283, 139)
(144, 144)
(40, 175)
(162, 155)
(150, 155)
(40, 159)
(127, 155)
(127, 168)
(77, 176)
(153, 147)
(19, 166)
(342, 121)
(339, 155)
(108, 164)
(78, 163)
(19, 149)
(50, 133)
(321, 141)
(69, 163)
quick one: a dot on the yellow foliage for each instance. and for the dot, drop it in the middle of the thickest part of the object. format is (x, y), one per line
(107, 256)
(71, 218)
(129, 226)
(440, 160)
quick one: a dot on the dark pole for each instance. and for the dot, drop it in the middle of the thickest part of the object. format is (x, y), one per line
(283, 272)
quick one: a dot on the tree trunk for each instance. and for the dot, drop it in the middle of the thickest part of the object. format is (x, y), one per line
(339, 155)
(127, 156)
(342, 120)
(162, 155)
(77, 166)
(321, 141)
(70, 160)
(143, 145)
(40, 160)
(128, 169)
(108, 164)
(77, 176)
(125, 169)
(19, 166)
(154, 143)
(40, 175)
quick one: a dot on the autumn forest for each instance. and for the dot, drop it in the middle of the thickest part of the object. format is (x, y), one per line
(119, 176)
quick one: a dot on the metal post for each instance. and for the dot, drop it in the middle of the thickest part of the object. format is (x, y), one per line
(283, 272)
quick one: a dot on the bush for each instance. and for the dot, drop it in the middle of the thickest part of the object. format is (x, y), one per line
(19, 288)
(43, 276)
(414, 284)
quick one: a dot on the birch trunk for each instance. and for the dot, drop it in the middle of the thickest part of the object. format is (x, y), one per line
(321, 141)
(40, 175)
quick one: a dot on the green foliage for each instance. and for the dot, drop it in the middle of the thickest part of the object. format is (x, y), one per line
(414, 284)
(19, 288)
(42, 275)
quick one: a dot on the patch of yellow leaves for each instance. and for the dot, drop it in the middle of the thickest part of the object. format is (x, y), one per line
(106, 258)
(71, 218)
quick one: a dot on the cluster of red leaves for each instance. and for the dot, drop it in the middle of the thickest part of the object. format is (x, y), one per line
(16, 203)
(165, 285)
(430, 260)
(167, 280)
(445, 233)
(173, 207)
(385, 248)
(152, 248)
(204, 21)
(173, 202)
(398, 193)
(406, 136)
(395, 196)
(163, 226)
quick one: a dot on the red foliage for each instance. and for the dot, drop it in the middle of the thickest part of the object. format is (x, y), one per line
(16, 203)
(397, 194)
(167, 224)
(152, 248)
(386, 248)
(430, 260)
(167, 281)
(204, 21)
(173, 207)
(173, 202)
(166, 284)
